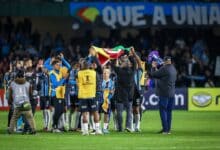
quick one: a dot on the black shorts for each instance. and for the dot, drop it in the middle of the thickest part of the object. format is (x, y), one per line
(113, 103)
(52, 101)
(137, 98)
(74, 101)
(88, 105)
(59, 106)
(136, 102)
(44, 102)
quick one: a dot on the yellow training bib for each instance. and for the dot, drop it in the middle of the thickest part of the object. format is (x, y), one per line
(86, 84)
(60, 90)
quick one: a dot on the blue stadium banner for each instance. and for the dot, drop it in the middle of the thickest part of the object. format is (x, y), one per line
(145, 14)
(150, 100)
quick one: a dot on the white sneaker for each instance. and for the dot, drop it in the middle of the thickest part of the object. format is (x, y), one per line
(137, 130)
(129, 130)
(66, 127)
(93, 132)
(98, 132)
(56, 131)
(85, 133)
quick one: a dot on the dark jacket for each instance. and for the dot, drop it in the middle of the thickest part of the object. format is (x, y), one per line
(125, 82)
(165, 80)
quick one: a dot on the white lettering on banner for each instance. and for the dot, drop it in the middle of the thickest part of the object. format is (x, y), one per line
(185, 14)
(179, 100)
(159, 16)
(127, 18)
(179, 18)
(204, 15)
(132, 15)
(214, 15)
(109, 16)
(194, 15)
(153, 100)
(137, 15)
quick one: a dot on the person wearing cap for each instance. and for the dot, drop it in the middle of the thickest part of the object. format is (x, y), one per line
(165, 78)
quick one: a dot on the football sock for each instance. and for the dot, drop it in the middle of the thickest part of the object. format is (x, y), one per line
(105, 126)
(77, 115)
(137, 121)
(48, 118)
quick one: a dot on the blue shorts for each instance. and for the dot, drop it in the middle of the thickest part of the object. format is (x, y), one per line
(88, 105)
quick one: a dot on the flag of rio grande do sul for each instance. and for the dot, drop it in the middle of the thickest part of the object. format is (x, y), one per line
(106, 54)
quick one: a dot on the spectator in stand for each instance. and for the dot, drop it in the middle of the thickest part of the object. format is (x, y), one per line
(16, 38)
(209, 79)
(47, 44)
(59, 43)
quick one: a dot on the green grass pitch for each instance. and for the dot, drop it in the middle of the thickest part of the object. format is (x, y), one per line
(191, 130)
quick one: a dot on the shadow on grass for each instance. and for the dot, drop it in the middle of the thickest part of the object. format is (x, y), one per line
(144, 133)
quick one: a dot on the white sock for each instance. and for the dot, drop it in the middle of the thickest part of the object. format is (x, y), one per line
(63, 120)
(137, 121)
(44, 118)
(92, 123)
(70, 119)
(66, 120)
(85, 128)
(52, 114)
(97, 126)
(132, 125)
(115, 121)
(105, 126)
(82, 126)
(60, 122)
(48, 118)
(77, 115)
